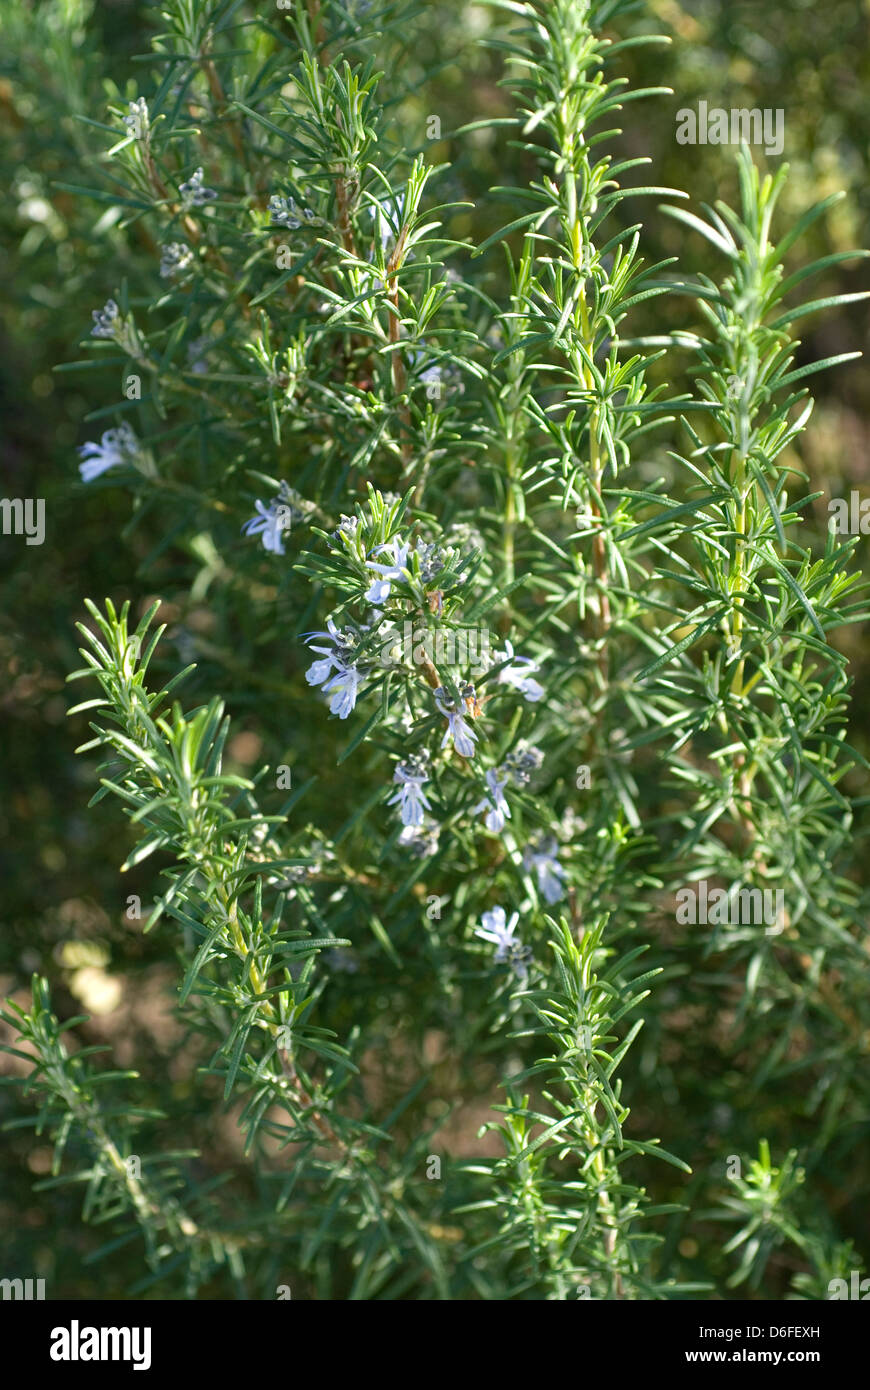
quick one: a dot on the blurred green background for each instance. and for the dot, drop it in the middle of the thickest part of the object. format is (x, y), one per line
(61, 900)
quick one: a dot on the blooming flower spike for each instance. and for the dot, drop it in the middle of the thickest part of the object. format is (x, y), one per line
(345, 681)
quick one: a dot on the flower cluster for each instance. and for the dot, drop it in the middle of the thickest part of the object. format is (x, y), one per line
(522, 762)
(137, 119)
(345, 530)
(284, 213)
(336, 672)
(108, 322)
(175, 258)
(401, 570)
(194, 193)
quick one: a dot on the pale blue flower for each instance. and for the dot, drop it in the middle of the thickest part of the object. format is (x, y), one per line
(320, 671)
(494, 804)
(518, 673)
(542, 857)
(464, 737)
(115, 447)
(271, 522)
(411, 798)
(339, 643)
(501, 934)
(379, 591)
(344, 683)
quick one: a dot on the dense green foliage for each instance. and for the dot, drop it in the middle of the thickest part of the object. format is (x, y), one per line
(469, 606)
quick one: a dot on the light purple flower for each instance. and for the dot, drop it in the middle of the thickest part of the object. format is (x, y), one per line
(344, 683)
(270, 522)
(518, 673)
(411, 798)
(464, 737)
(380, 589)
(501, 934)
(495, 803)
(319, 672)
(115, 447)
(542, 857)
(340, 642)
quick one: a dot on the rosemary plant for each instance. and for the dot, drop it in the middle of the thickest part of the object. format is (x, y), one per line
(512, 594)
